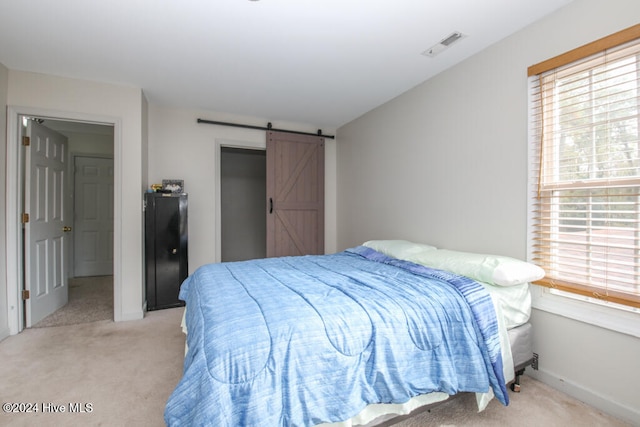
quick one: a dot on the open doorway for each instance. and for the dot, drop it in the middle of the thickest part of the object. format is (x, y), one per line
(88, 182)
(243, 192)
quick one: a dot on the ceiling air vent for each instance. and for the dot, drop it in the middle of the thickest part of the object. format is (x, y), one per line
(444, 44)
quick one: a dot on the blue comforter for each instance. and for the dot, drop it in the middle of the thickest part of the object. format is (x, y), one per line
(297, 341)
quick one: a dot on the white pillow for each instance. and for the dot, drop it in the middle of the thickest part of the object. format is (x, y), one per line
(493, 269)
(401, 249)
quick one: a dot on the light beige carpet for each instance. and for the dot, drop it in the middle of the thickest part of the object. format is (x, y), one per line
(537, 405)
(127, 370)
(90, 300)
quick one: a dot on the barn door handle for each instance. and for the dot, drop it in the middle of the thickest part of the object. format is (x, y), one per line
(270, 205)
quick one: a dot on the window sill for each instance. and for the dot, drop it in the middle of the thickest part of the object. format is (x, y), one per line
(580, 309)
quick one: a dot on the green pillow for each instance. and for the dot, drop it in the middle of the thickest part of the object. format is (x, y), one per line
(401, 249)
(492, 269)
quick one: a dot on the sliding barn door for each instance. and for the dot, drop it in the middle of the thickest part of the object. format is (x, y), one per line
(295, 194)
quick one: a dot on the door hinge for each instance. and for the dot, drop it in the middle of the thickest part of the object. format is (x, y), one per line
(26, 141)
(26, 294)
(25, 218)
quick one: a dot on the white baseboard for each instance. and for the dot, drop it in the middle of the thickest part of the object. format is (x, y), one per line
(590, 397)
(4, 333)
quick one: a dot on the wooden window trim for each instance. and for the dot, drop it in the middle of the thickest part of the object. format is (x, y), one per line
(588, 291)
(589, 49)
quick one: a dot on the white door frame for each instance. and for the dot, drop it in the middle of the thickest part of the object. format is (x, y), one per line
(14, 171)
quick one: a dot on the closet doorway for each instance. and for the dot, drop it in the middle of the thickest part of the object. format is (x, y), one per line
(271, 199)
(243, 191)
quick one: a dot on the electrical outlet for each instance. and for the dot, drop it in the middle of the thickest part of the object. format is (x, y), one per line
(534, 364)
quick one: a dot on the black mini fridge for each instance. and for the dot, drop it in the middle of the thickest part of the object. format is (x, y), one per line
(165, 248)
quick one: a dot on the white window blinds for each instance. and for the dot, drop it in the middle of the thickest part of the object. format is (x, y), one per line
(585, 170)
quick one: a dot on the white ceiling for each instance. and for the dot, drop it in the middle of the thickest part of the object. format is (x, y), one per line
(320, 62)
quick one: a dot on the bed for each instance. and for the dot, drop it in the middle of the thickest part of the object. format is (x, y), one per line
(351, 338)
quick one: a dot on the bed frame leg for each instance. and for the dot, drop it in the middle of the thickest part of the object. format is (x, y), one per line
(515, 386)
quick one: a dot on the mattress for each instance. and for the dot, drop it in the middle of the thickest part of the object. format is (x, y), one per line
(521, 339)
(512, 308)
(512, 302)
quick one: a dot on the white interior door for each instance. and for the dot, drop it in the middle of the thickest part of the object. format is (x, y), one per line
(46, 237)
(93, 216)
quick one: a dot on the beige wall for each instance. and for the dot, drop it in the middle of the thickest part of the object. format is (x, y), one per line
(181, 148)
(123, 106)
(446, 164)
(4, 85)
(90, 143)
(155, 143)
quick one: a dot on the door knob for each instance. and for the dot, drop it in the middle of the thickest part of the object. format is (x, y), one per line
(66, 228)
(174, 251)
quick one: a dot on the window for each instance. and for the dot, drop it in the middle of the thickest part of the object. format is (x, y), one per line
(585, 169)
